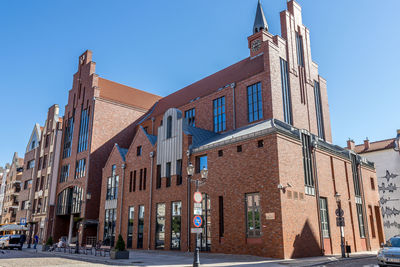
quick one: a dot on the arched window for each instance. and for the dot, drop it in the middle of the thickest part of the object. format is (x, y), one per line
(169, 127)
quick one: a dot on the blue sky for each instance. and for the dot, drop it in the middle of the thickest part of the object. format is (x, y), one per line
(161, 46)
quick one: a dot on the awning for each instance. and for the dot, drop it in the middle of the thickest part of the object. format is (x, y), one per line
(91, 222)
(13, 227)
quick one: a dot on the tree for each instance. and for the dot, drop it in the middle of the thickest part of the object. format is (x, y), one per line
(120, 246)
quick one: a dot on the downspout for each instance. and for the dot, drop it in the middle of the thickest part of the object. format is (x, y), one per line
(233, 85)
(364, 208)
(151, 196)
(152, 125)
(321, 238)
(123, 167)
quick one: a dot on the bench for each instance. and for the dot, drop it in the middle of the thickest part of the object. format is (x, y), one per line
(87, 248)
(104, 249)
(71, 248)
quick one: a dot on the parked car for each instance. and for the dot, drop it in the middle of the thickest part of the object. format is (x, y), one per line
(389, 254)
(10, 241)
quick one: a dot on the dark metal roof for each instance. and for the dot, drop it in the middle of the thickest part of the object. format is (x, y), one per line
(260, 22)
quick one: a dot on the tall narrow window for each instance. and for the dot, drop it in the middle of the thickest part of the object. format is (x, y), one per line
(140, 179)
(205, 237)
(130, 181)
(371, 218)
(299, 47)
(176, 225)
(140, 227)
(109, 226)
(356, 179)
(83, 131)
(318, 110)
(169, 127)
(158, 181)
(190, 116)
(323, 205)
(80, 168)
(219, 114)
(168, 174)
(221, 216)
(144, 178)
(287, 102)
(253, 215)
(307, 163)
(134, 181)
(160, 225)
(68, 134)
(254, 102)
(112, 187)
(139, 151)
(64, 173)
(178, 172)
(201, 163)
(130, 227)
(360, 217)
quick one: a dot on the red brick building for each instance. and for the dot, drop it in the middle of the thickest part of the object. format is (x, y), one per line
(262, 129)
(99, 113)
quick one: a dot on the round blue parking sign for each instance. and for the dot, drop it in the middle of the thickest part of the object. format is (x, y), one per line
(197, 221)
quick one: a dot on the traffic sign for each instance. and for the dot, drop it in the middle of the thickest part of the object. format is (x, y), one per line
(22, 221)
(197, 197)
(339, 212)
(197, 221)
(196, 230)
(340, 221)
(197, 210)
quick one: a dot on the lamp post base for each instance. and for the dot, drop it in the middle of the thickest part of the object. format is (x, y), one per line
(196, 260)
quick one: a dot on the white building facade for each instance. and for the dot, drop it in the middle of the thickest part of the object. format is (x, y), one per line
(3, 177)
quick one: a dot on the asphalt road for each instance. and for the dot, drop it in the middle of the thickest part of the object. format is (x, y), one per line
(366, 262)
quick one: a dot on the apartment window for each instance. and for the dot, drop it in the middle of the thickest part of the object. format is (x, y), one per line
(219, 114)
(46, 143)
(39, 166)
(356, 178)
(130, 181)
(64, 173)
(134, 181)
(112, 187)
(372, 183)
(80, 168)
(287, 102)
(37, 185)
(158, 182)
(23, 205)
(76, 202)
(129, 239)
(44, 161)
(178, 172)
(109, 227)
(260, 143)
(140, 227)
(39, 206)
(31, 164)
(360, 217)
(113, 170)
(139, 151)
(318, 110)
(168, 174)
(221, 216)
(323, 205)
(144, 178)
(299, 46)
(220, 153)
(83, 130)
(176, 225)
(254, 102)
(33, 144)
(27, 184)
(42, 182)
(45, 204)
(201, 163)
(190, 116)
(239, 148)
(169, 127)
(68, 134)
(160, 225)
(253, 219)
(307, 163)
(48, 181)
(140, 179)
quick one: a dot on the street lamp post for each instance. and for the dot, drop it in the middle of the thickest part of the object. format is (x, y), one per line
(339, 213)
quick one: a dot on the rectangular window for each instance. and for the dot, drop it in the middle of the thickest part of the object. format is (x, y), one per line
(299, 46)
(140, 227)
(39, 166)
(201, 163)
(307, 163)
(318, 110)
(42, 182)
(68, 134)
(287, 102)
(31, 164)
(140, 179)
(260, 143)
(178, 172)
(144, 178)
(112, 188)
(109, 227)
(83, 131)
(254, 102)
(160, 225)
(130, 181)
(130, 227)
(46, 143)
(64, 173)
(37, 184)
(80, 168)
(356, 178)
(220, 153)
(221, 216)
(360, 217)
(239, 149)
(158, 182)
(168, 174)
(371, 218)
(323, 205)
(372, 183)
(134, 181)
(176, 225)
(139, 151)
(219, 114)
(44, 162)
(190, 116)
(253, 215)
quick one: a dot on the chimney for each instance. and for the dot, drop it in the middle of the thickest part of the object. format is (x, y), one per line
(350, 144)
(366, 144)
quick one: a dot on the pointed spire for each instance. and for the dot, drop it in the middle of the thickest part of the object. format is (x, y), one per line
(260, 22)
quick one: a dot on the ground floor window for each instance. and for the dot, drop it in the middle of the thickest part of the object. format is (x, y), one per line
(253, 215)
(130, 226)
(176, 225)
(140, 227)
(109, 227)
(323, 205)
(160, 226)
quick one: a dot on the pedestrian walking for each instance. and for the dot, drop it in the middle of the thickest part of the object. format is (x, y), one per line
(36, 241)
(22, 240)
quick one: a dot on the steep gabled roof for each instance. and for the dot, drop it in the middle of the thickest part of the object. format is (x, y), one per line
(375, 146)
(122, 151)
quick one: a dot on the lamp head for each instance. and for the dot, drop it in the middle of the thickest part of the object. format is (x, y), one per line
(337, 197)
(190, 169)
(204, 173)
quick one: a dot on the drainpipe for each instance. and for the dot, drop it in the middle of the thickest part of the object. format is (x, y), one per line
(313, 151)
(233, 86)
(364, 207)
(122, 196)
(151, 196)
(152, 125)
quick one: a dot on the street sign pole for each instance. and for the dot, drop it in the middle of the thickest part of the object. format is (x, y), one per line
(196, 260)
